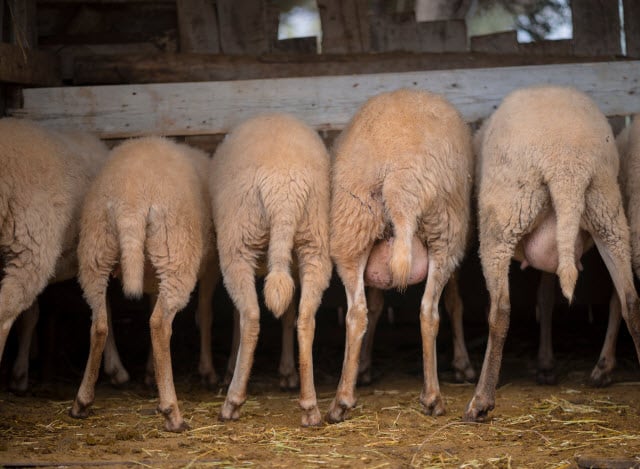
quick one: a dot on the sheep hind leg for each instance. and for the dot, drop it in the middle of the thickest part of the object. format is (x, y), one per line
(430, 397)
(497, 276)
(235, 344)
(464, 372)
(239, 279)
(112, 363)
(356, 324)
(20, 373)
(150, 369)
(160, 324)
(601, 373)
(314, 279)
(545, 373)
(289, 380)
(204, 315)
(375, 304)
(99, 330)
(605, 220)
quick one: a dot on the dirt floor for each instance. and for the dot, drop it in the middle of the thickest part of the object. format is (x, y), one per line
(567, 425)
(531, 427)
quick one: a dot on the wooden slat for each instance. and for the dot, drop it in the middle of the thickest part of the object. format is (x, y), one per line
(632, 27)
(171, 68)
(197, 26)
(505, 42)
(345, 26)
(561, 47)
(28, 67)
(323, 102)
(243, 26)
(23, 20)
(596, 27)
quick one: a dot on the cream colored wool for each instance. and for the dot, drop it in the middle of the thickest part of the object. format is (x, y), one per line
(546, 148)
(43, 180)
(149, 212)
(403, 164)
(269, 183)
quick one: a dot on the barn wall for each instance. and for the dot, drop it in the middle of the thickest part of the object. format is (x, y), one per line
(68, 44)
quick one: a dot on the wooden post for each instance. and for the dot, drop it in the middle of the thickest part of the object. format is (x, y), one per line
(345, 26)
(23, 19)
(197, 26)
(596, 27)
(242, 27)
(632, 26)
(401, 32)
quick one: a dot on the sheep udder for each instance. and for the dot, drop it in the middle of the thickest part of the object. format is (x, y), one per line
(378, 273)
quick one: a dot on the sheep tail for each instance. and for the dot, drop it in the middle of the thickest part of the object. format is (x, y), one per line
(568, 201)
(278, 284)
(131, 229)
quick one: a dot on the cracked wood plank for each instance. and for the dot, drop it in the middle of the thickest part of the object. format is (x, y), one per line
(118, 111)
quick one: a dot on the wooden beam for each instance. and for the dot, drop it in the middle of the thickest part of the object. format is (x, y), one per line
(505, 42)
(28, 67)
(171, 68)
(323, 102)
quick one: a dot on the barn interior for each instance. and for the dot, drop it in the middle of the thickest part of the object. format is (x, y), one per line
(86, 46)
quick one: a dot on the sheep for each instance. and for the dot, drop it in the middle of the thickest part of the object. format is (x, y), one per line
(287, 372)
(147, 216)
(628, 144)
(463, 370)
(269, 185)
(546, 151)
(401, 185)
(44, 177)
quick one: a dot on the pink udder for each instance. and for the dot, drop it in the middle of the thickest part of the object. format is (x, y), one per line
(377, 273)
(540, 247)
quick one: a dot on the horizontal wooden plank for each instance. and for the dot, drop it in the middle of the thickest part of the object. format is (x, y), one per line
(120, 68)
(27, 66)
(324, 102)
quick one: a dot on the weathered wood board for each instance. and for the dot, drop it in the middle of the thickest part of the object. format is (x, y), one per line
(324, 102)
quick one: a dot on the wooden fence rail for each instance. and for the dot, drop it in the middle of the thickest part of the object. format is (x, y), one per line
(116, 111)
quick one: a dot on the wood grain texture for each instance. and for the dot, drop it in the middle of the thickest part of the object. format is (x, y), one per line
(323, 102)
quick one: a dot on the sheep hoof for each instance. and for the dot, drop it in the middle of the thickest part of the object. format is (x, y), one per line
(176, 427)
(79, 410)
(465, 374)
(19, 384)
(433, 405)
(546, 377)
(601, 374)
(477, 410)
(338, 411)
(119, 379)
(229, 411)
(311, 417)
(600, 378)
(173, 421)
(289, 382)
(210, 381)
